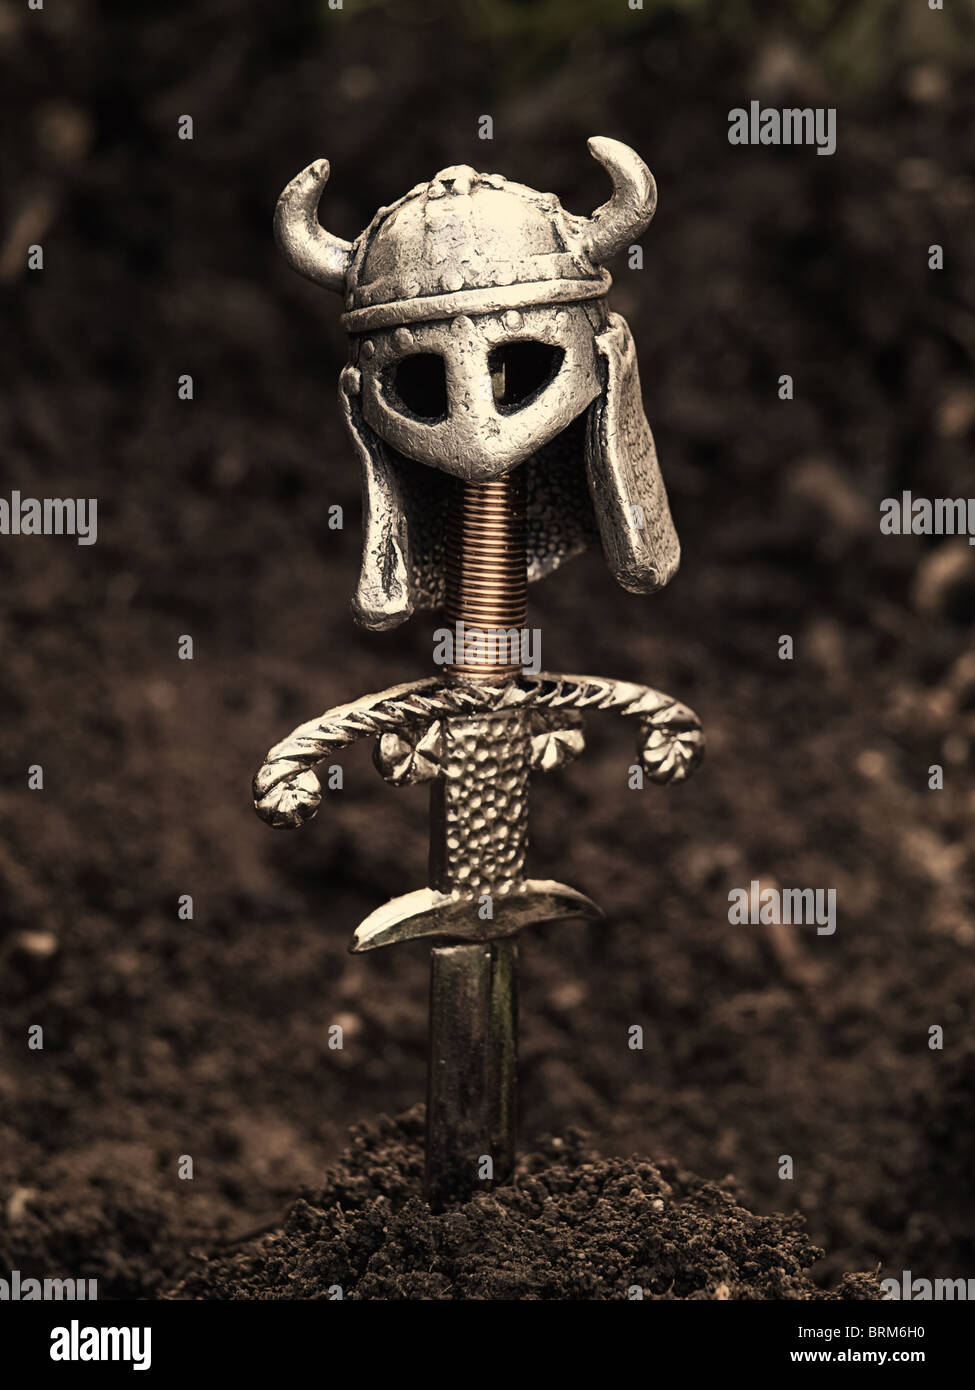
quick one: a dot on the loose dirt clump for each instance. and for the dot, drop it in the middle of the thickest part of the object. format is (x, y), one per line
(571, 1226)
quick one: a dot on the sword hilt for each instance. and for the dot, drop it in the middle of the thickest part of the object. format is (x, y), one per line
(406, 721)
(463, 336)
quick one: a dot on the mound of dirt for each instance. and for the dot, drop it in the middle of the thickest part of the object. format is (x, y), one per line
(571, 1226)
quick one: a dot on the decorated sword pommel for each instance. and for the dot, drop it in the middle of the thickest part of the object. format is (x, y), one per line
(481, 342)
(493, 402)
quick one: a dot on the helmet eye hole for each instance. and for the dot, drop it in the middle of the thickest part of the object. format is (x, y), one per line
(418, 383)
(521, 370)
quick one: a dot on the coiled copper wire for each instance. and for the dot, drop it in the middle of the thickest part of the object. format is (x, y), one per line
(487, 574)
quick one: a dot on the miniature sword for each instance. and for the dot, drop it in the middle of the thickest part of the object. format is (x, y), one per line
(494, 405)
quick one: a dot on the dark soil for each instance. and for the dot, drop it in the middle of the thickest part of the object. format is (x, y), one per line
(571, 1226)
(209, 1038)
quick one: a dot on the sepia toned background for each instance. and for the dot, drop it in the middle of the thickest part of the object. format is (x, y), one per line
(210, 1037)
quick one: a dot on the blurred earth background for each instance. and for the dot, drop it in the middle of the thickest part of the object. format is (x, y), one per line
(210, 1037)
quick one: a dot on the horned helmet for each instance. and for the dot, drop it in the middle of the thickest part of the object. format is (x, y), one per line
(481, 341)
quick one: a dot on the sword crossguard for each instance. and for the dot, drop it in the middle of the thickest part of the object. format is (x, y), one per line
(406, 721)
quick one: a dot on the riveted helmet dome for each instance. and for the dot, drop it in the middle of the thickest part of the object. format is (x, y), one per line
(548, 230)
(467, 243)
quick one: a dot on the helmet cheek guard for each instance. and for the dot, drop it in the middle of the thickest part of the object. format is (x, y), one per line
(481, 342)
(627, 489)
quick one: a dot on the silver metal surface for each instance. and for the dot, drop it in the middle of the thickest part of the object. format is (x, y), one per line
(287, 793)
(477, 743)
(478, 842)
(461, 269)
(481, 343)
(472, 1077)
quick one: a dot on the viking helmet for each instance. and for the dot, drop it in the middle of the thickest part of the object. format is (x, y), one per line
(481, 341)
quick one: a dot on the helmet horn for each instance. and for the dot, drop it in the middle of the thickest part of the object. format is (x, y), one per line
(302, 239)
(634, 200)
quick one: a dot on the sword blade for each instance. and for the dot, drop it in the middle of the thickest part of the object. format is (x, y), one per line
(472, 1071)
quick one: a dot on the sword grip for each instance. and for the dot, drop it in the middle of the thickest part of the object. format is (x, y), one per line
(479, 805)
